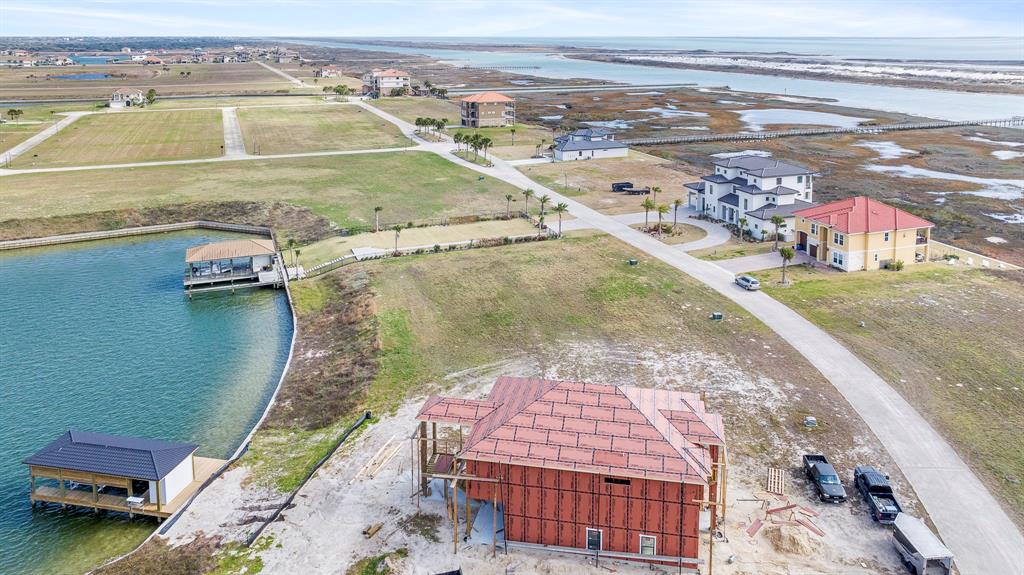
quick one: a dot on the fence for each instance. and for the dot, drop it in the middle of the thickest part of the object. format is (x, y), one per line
(878, 129)
(137, 231)
(939, 251)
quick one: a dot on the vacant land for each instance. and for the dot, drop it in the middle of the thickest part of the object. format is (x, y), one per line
(409, 185)
(238, 101)
(409, 108)
(13, 134)
(335, 247)
(133, 137)
(734, 248)
(590, 182)
(947, 339)
(316, 128)
(28, 83)
(524, 143)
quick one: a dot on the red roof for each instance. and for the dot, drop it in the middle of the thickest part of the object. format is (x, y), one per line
(390, 73)
(862, 214)
(616, 430)
(488, 98)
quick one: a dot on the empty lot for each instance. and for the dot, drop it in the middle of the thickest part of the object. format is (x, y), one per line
(116, 138)
(316, 128)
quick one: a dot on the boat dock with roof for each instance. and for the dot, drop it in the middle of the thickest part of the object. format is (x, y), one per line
(233, 264)
(132, 475)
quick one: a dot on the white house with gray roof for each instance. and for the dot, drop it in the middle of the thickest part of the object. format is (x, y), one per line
(588, 144)
(754, 188)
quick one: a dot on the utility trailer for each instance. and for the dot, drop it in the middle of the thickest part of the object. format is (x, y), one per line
(920, 550)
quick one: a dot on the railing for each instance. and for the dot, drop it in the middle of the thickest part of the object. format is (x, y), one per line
(921, 240)
(203, 278)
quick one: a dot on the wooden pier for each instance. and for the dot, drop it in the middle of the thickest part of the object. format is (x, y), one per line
(1015, 121)
(94, 497)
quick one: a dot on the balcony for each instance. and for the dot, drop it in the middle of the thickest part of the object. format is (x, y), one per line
(921, 240)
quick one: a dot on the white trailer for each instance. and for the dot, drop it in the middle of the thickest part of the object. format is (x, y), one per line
(921, 551)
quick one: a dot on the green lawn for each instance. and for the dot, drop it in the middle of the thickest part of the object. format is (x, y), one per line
(948, 339)
(410, 108)
(12, 134)
(734, 248)
(114, 138)
(316, 128)
(409, 185)
(502, 137)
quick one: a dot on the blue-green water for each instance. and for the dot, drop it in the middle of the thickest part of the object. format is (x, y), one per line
(100, 336)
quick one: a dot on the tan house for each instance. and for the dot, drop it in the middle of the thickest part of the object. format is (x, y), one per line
(488, 109)
(126, 98)
(862, 234)
(328, 71)
(386, 82)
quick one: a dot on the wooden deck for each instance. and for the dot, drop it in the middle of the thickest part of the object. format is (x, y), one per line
(204, 468)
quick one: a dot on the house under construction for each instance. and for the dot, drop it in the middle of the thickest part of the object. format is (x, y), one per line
(610, 471)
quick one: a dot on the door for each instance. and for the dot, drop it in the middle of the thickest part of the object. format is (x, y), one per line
(802, 241)
(813, 250)
(593, 539)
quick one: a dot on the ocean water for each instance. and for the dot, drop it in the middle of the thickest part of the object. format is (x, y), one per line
(99, 336)
(940, 104)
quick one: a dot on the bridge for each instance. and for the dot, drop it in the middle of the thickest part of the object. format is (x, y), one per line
(1016, 121)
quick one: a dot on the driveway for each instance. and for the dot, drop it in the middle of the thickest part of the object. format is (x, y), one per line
(41, 137)
(970, 521)
(756, 262)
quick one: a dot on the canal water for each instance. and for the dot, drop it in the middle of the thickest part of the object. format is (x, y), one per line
(99, 336)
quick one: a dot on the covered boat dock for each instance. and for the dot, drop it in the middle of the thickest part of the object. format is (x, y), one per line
(132, 475)
(233, 264)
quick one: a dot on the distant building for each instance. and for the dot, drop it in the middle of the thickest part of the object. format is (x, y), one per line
(753, 189)
(138, 57)
(384, 82)
(328, 71)
(588, 144)
(862, 234)
(126, 50)
(126, 98)
(152, 61)
(488, 109)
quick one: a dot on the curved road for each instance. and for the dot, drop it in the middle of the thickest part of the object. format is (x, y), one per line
(971, 522)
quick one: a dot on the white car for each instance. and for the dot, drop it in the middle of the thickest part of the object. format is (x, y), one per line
(748, 283)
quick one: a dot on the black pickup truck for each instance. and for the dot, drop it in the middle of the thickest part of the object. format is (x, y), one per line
(877, 492)
(825, 479)
(619, 186)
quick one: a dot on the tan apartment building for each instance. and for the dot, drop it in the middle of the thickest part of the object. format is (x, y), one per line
(488, 109)
(862, 234)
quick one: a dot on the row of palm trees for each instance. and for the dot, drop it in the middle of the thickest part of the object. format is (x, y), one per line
(340, 89)
(474, 142)
(559, 208)
(432, 124)
(650, 204)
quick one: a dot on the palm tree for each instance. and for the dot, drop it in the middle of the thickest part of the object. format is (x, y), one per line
(654, 194)
(527, 193)
(296, 262)
(376, 217)
(779, 222)
(543, 201)
(678, 203)
(787, 255)
(512, 132)
(458, 141)
(508, 206)
(662, 210)
(290, 245)
(475, 143)
(398, 232)
(485, 143)
(540, 145)
(648, 205)
(419, 122)
(560, 209)
(743, 227)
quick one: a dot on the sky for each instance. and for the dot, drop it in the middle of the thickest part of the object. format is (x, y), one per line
(536, 18)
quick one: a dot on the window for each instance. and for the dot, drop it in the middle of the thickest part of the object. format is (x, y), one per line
(648, 545)
(593, 539)
(837, 258)
(711, 188)
(616, 481)
(745, 204)
(837, 238)
(799, 179)
(876, 257)
(755, 226)
(814, 229)
(778, 181)
(886, 238)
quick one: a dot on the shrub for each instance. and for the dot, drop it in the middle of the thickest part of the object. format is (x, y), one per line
(896, 265)
(437, 248)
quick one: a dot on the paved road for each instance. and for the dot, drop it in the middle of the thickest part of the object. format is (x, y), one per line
(969, 519)
(756, 262)
(41, 137)
(284, 75)
(234, 144)
(716, 234)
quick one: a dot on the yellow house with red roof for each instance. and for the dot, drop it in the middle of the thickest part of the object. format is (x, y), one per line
(862, 234)
(488, 109)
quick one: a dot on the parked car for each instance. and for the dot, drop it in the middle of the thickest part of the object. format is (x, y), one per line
(619, 186)
(874, 487)
(825, 479)
(920, 550)
(749, 283)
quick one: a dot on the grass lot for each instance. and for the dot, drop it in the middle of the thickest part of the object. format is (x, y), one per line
(239, 101)
(335, 247)
(316, 128)
(232, 78)
(947, 339)
(409, 108)
(734, 248)
(474, 158)
(13, 134)
(590, 182)
(124, 138)
(526, 135)
(409, 185)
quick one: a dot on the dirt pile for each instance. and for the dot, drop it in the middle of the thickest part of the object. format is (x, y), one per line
(791, 540)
